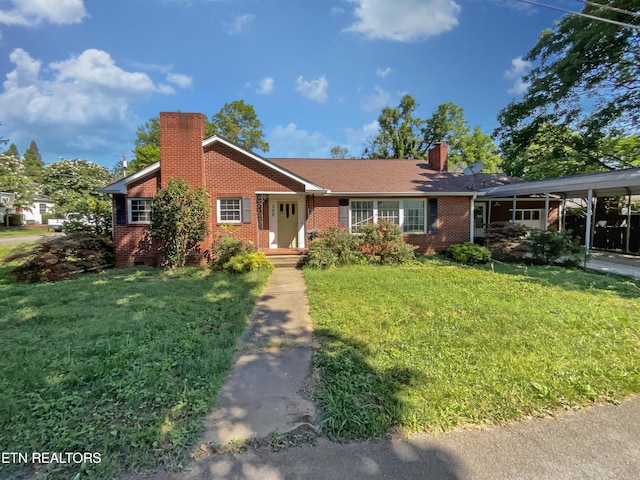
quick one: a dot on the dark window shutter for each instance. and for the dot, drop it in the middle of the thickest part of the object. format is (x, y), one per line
(121, 210)
(432, 215)
(246, 210)
(343, 211)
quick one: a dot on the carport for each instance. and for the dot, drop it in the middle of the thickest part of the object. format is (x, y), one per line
(619, 183)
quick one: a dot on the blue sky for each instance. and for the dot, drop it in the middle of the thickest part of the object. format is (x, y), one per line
(79, 76)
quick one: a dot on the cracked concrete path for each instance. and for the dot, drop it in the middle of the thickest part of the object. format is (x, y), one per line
(264, 390)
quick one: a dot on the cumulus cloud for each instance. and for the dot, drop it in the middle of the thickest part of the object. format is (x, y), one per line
(376, 101)
(358, 137)
(183, 81)
(266, 86)
(82, 101)
(313, 89)
(238, 24)
(519, 69)
(291, 142)
(404, 20)
(35, 12)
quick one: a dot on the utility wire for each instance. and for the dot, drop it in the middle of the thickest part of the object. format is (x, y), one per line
(608, 7)
(580, 14)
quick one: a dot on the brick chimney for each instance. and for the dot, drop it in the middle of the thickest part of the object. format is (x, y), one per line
(438, 156)
(181, 154)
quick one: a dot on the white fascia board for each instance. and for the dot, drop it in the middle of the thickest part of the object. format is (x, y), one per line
(400, 194)
(308, 186)
(121, 185)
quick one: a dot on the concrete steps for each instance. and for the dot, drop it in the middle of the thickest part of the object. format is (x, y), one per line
(287, 261)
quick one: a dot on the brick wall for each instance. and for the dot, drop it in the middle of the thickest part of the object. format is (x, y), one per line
(181, 154)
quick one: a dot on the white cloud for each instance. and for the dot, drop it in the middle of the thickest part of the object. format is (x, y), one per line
(519, 68)
(377, 100)
(404, 20)
(384, 72)
(34, 12)
(357, 138)
(239, 24)
(179, 79)
(314, 89)
(266, 86)
(291, 142)
(81, 102)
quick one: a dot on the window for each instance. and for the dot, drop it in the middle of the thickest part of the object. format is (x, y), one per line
(433, 216)
(413, 216)
(408, 214)
(229, 210)
(42, 208)
(531, 217)
(361, 213)
(140, 210)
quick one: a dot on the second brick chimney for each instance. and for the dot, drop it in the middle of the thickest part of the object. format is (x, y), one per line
(438, 156)
(181, 154)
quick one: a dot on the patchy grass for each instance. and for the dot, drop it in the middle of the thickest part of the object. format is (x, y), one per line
(433, 346)
(124, 363)
(8, 232)
(6, 268)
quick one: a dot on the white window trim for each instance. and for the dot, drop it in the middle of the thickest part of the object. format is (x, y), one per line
(129, 211)
(401, 212)
(218, 217)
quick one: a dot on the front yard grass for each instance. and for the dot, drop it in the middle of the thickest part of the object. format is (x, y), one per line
(434, 346)
(125, 363)
(8, 232)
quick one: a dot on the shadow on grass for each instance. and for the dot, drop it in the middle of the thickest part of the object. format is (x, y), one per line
(125, 363)
(356, 400)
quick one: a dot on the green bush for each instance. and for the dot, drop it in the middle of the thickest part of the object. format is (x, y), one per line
(550, 247)
(248, 262)
(380, 243)
(15, 220)
(469, 253)
(226, 246)
(47, 216)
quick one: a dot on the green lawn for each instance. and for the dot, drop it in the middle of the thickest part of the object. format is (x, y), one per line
(125, 363)
(435, 346)
(8, 232)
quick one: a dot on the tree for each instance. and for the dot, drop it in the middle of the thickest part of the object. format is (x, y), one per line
(587, 78)
(72, 183)
(402, 135)
(179, 222)
(147, 145)
(12, 151)
(238, 123)
(33, 163)
(340, 152)
(13, 179)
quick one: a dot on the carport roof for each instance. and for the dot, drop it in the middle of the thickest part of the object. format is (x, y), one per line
(605, 184)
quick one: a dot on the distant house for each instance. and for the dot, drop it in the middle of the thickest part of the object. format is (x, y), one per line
(42, 205)
(276, 202)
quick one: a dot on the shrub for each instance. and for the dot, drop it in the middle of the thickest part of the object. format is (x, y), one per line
(225, 246)
(380, 243)
(383, 243)
(469, 253)
(58, 258)
(15, 220)
(552, 246)
(507, 241)
(247, 262)
(334, 246)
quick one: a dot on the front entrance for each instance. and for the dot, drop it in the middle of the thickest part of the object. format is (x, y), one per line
(287, 224)
(479, 220)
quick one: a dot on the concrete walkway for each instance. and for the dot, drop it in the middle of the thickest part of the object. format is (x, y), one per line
(264, 391)
(615, 263)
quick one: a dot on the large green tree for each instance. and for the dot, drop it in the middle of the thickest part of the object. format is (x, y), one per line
(403, 135)
(33, 163)
(587, 78)
(13, 179)
(237, 122)
(73, 184)
(147, 145)
(12, 151)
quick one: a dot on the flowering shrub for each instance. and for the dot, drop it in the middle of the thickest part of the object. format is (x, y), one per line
(247, 262)
(225, 246)
(380, 243)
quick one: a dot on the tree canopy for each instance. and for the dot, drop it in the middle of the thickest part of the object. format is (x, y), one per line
(14, 179)
(33, 163)
(403, 135)
(236, 122)
(12, 151)
(587, 79)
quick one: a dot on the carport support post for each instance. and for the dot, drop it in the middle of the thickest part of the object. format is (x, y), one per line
(587, 228)
(627, 240)
(546, 211)
(513, 210)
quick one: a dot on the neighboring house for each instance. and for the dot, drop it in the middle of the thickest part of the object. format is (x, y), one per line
(42, 205)
(276, 203)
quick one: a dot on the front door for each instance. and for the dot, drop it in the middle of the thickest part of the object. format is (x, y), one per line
(287, 224)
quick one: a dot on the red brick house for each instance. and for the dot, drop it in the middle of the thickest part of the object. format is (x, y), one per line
(276, 202)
